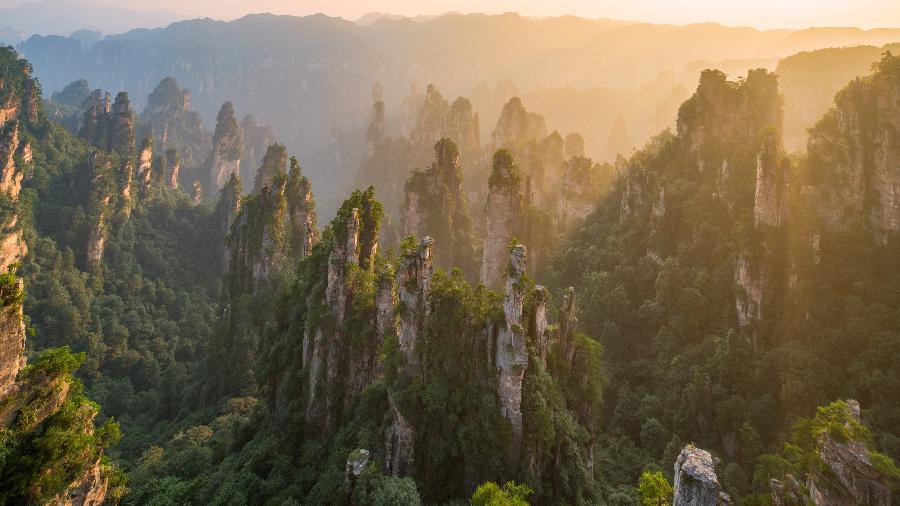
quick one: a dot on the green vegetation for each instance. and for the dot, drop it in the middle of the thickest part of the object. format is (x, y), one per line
(654, 489)
(52, 441)
(490, 494)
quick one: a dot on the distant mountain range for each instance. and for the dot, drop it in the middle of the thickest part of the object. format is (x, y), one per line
(63, 17)
(311, 77)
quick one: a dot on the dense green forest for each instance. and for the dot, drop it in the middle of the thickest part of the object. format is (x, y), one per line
(514, 324)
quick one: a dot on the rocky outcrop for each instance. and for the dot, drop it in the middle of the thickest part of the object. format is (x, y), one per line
(274, 163)
(331, 380)
(696, 483)
(257, 138)
(574, 146)
(145, 164)
(504, 212)
(31, 396)
(770, 200)
(431, 124)
(16, 113)
(12, 337)
(581, 185)
(89, 490)
(227, 210)
(196, 192)
(435, 204)
(227, 147)
(538, 324)
(121, 129)
(172, 168)
(304, 231)
(12, 170)
(399, 445)
(462, 127)
(354, 468)
(102, 184)
(750, 280)
(855, 153)
(510, 356)
(850, 477)
(11, 173)
(414, 285)
(172, 125)
(729, 113)
(517, 127)
(266, 229)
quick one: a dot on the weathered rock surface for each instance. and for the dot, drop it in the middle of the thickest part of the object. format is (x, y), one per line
(227, 147)
(435, 205)
(504, 212)
(414, 285)
(511, 358)
(172, 168)
(89, 490)
(852, 479)
(168, 118)
(696, 483)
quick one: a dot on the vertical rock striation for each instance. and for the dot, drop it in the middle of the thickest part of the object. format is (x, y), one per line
(510, 357)
(696, 483)
(505, 216)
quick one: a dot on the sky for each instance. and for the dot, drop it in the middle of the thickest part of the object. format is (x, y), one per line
(756, 13)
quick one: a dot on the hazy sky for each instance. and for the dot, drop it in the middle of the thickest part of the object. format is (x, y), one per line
(758, 13)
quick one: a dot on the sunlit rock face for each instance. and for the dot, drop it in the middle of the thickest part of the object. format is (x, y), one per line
(696, 483)
(850, 478)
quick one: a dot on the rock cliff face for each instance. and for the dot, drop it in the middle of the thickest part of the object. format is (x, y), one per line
(266, 230)
(30, 396)
(172, 168)
(169, 120)
(145, 165)
(332, 379)
(510, 356)
(102, 190)
(850, 477)
(581, 185)
(696, 483)
(772, 172)
(720, 112)
(274, 163)
(121, 128)
(854, 152)
(89, 490)
(517, 127)
(842, 472)
(257, 139)
(414, 285)
(505, 215)
(16, 112)
(436, 205)
(227, 146)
